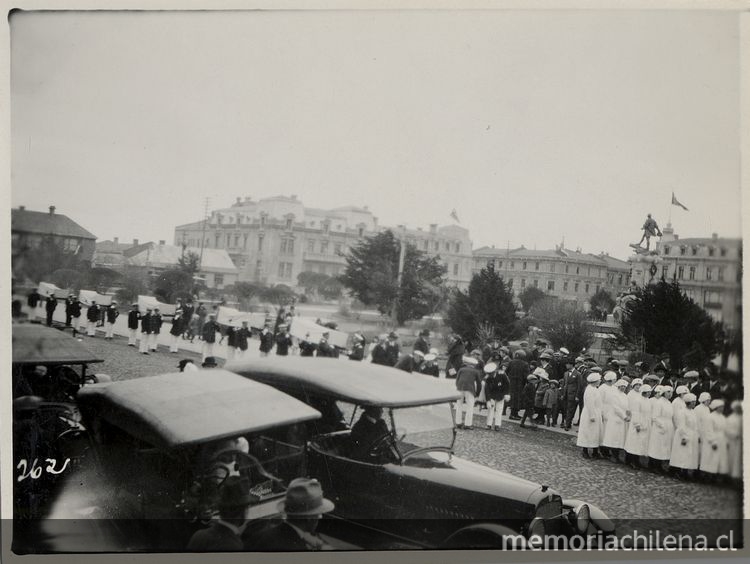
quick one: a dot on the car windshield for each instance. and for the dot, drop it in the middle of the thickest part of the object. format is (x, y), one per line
(424, 427)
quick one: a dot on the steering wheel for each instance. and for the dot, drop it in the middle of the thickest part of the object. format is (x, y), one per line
(249, 461)
(384, 445)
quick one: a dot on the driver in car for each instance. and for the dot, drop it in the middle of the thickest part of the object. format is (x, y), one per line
(371, 439)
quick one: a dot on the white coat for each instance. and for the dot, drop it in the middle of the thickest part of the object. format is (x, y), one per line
(677, 404)
(715, 460)
(636, 440)
(632, 396)
(733, 430)
(590, 432)
(614, 428)
(686, 429)
(703, 420)
(662, 430)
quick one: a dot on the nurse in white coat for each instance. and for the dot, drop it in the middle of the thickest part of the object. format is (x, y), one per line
(607, 392)
(590, 421)
(633, 396)
(684, 457)
(614, 428)
(662, 428)
(678, 402)
(734, 440)
(636, 440)
(703, 420)
(716, 463)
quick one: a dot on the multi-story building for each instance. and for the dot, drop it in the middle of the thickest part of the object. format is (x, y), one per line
(709, 269)
(560, 272)
(273, 239)
(29, 228)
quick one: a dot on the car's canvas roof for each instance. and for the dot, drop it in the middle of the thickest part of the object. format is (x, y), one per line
(362, 383)
(192, 407)
(37, 344)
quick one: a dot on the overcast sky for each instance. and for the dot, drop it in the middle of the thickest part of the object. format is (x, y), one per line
(533, 125)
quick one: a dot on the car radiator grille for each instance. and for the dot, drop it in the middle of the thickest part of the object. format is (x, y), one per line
(551, 511)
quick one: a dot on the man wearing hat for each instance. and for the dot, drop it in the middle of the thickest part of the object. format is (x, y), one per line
(266, 339)
(421, 344)
(306, 346)
(134, 317)
(208, 332)
(111, 313)
(358, 347)
(145, 331)
(590, 421)
(692, 382)
(430, 366)
(541, 389)
(225, 533)
(456, 350)
(496, 390)
(518, 370)
(283, 340)
(241, 336)
(685, 445)
(468, 383)
(156, 323)
(528, 395)
(70, 305)
(302, 507)
(410, 362)
(324, 347)
(176, 328)
(569, 393)
(209, 362)
(392, 349)
(378, 353)
(92, 317)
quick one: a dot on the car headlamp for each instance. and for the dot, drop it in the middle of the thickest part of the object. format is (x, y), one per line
(537, 528)
(582, 516)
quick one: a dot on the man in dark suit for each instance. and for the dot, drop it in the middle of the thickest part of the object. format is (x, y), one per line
(306, 347)
(456, 350)
(392, 349)
(358, 348)
(225, 533)
(283, 340)
(518, 370)
(302, 507)
(324, 347)
(145, 331)
(379, 352)
(134, 316)
(421, 343)
(266, 339)
(50, 309)
(368, 432)
(92, 317)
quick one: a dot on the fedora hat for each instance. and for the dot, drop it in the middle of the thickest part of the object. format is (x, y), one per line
(305, 497)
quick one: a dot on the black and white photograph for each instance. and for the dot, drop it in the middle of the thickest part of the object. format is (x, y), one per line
(357, 279)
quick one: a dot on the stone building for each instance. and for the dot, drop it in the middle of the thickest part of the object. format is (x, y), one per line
(274, 239)
(709, 269)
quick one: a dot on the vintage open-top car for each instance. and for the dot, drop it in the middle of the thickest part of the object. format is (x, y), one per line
(162, 448)
(408, 483)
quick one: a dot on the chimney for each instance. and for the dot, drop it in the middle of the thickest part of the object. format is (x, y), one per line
(52, 210)
(161, 241)
(21, 208)
(135, 242)
(116, 240)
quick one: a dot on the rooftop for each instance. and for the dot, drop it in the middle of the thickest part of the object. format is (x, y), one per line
(52, 223)
(150, 254)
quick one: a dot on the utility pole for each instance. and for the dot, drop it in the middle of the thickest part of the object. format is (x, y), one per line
(203, 240)
(399, 276)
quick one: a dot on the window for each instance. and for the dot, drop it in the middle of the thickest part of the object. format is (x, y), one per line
(262, 219)
(523, 282)
(70, 245)
(512, 265)
(455, 269)
(447, 246)
(491, 264)
(711, 251)
(536, 265)
(619, 279)
(436, 245)
(260, 242)
(324, 247)
(575, 287)
(588, 273)
(694, 250)
(709, 273)
(524, 265)
(691, 273)
(326, 227)
(536, 283)
(587, 287)
(552, 267)
(244, 242)
(565, 286)
(288, 222)
(723, 252)
(721, 274)
(287, 246)
(680, 272)
(551, 286)
(229, 240)
(425, 245)
(218, 280)
(578, 269)
(311, 245)
(458, 247)
(682, 250)
(510, 283)
(499, 264)
(665, 271)
(666, 249)
(337, 248)
(361, 233)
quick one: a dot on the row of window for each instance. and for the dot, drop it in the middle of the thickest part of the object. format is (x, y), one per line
(551, 285)
(552, 267)
(712, 273)
(683, 249)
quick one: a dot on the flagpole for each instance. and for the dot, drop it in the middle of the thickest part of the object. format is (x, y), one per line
(670, 209)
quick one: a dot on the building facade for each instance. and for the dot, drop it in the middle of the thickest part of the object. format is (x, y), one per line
(562, 273)
(709, 269)
(29, 228)
(274, 239)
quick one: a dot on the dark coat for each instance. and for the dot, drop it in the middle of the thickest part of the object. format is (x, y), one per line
(393, 351)
(407, 363)
(231, 334)
(529, 394)
(518, 370)
(177, 326)
(306, 348)
(364, 434)
(455, 358)
(266, 341)
(51, 305)
(33, 299)
(283, 342)
(281, 537)
(325, 349)
(133, 318)
(92, 313)
(215, 538)
(469, 379)
(379, 355)
(241, 336)
(73, 308)
(421, 345)
(430, 368)
(112, 314)
(569, 389)
(496, 386)
(156, 322)
(208, 332)
(358, 352)
(146, 323)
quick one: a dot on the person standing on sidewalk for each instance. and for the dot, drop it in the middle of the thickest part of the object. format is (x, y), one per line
(590, 421)
(569, 394)
(518, 371)
(202, 313)
(210, 327)
(177, 328)
(283, 340)
(156, 321)
(69, 309)
(231, 334)
(468, 383)
(527, 397)
(146, 331)
(111, 313)
(266, 339)
(92, 317)
(134, 316)
(241, 336)
(496, 389)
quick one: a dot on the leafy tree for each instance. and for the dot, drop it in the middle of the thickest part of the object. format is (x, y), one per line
(487, 302)
(279, 295)
(563, 323)
(67, 278)
(246, 291)
(529, 296)
(101, 279)
(371, 275)
(132, 285)
(37, 263)
(668, 321)
(189, 262)
(331, 289)
(172, 284)
(602, 303)
(317, 283)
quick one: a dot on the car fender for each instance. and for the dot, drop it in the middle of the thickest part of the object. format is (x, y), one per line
(598, 517)
(485, 531)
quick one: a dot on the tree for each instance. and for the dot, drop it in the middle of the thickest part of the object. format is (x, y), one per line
(36, 263)
(371, 275)
(189, 262)
(245, 291)
(667, 321)
(563, 323)
(172, 284)
(487, 302)
(530, 296)
(279, 295)
(133, 284)
(602, 303)
(67, 278)
(101, 279)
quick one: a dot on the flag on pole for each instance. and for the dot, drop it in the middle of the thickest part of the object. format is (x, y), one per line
(454, 215)
(676, 203)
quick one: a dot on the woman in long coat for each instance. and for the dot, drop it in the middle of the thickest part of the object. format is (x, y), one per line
(614, 427)
(703, 419)
(636, 440)
(590, 422)
(684, 456)
(177, 329)
(607, 392)
(734, 440)
(715, 463)
(662, 428)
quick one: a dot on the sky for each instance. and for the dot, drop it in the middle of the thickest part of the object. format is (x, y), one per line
(533, 125)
